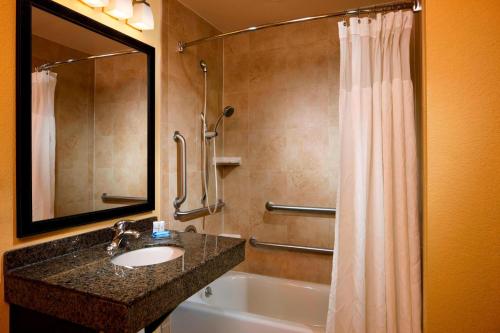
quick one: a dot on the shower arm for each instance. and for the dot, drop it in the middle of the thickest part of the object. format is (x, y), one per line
(218, 122)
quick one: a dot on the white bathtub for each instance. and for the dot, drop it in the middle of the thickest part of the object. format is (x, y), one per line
(250, 303)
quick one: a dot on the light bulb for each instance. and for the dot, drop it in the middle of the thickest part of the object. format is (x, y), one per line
(143, 16)
(96, 3)
(120, 9)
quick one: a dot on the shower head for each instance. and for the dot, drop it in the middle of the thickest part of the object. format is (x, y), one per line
(227, 112)
(203, 66)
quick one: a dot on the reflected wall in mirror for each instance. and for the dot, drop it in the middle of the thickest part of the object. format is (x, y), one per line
(91, 115)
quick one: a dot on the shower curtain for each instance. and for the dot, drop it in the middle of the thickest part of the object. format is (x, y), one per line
(43, 144)
(376, 283)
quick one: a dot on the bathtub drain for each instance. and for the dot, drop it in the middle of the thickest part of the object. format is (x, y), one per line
(208, 292)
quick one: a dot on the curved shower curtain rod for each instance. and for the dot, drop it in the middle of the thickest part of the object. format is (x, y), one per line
(414, 5)
(50, 65)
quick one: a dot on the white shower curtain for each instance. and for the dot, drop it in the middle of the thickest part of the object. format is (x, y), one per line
(43, 141)
(376, 283)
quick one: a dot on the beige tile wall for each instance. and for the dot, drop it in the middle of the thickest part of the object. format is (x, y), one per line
(182, 106)
(101, 133)
(120, 127)
(74, 100)
(284, 84)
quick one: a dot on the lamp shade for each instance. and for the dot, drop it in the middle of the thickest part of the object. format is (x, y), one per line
(96, 3)
(143, 16)
(121, 9)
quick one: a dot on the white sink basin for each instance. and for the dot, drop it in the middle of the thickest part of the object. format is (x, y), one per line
(148, 256)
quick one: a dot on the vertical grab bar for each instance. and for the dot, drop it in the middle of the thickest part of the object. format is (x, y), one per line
(181, 170)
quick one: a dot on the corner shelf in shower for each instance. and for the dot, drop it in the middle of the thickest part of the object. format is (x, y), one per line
(228, 161)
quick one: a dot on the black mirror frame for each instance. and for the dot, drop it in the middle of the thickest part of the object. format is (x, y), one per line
(25, 225)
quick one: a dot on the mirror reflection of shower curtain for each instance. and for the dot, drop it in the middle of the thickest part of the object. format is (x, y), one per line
(43, 144)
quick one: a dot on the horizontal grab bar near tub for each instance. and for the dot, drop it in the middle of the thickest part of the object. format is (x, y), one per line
(270, 206)
(255, 243)
(119, 198)
(195, 213)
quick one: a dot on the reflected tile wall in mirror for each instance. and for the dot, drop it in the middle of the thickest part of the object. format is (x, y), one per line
(90, 132)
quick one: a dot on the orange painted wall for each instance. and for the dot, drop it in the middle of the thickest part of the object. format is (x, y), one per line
(8, 239)
(461, 162)
(462, 166)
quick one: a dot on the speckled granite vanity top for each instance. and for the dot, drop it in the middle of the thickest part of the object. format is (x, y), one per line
(74, 278)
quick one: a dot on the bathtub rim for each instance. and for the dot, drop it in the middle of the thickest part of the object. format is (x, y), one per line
(240, 275)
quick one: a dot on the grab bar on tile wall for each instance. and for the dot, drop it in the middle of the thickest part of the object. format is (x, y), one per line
(195, 213)
(181, 170)
(270, 206)
(120, 198)
(255, 243)
(182, 186)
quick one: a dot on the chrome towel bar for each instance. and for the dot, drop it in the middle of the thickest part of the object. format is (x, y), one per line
(271, 206)
(299, 248)
(115, 198)
(195, 213)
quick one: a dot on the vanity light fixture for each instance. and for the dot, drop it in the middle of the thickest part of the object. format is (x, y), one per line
(96, 3)
(120, 9)
(143, 16)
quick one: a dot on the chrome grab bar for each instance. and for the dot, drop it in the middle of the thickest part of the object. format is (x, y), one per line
(182, 186)
(271, 206)
(319, 250)
(195, 213)
(106, 197)
(181, 170)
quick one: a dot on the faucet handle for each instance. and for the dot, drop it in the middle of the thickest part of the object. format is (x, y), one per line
(120, 225)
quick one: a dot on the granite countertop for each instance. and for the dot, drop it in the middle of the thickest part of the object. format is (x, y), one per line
(85, 287)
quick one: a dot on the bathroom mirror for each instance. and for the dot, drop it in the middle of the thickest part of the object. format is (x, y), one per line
(85, 115)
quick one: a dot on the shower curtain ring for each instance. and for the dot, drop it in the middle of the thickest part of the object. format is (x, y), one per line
(371, 16)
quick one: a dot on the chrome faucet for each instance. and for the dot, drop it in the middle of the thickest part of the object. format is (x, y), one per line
(120, 232)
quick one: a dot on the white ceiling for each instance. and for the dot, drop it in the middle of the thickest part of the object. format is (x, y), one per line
(63, 32)
(227, 15)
